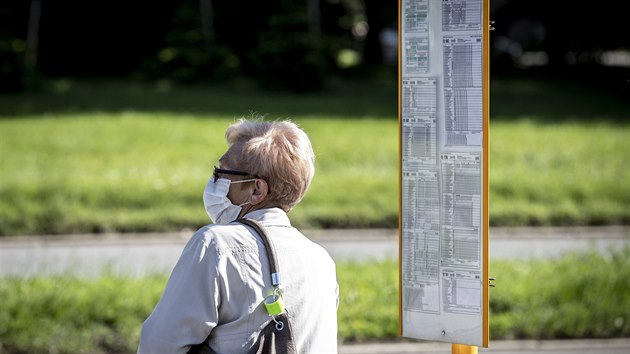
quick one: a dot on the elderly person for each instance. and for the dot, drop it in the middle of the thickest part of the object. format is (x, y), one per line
(216, 291)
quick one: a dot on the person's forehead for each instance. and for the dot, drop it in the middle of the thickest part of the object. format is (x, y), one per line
(228, 160)
(224, 162)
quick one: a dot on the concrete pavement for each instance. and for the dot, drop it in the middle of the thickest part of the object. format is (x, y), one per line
(582, 346)
(140, 254)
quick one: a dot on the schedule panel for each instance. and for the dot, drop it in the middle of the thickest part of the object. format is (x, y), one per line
(443, 116)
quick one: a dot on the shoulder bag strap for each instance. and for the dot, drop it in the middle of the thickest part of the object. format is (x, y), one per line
(273, 339)
(277, 336)
(271, 252)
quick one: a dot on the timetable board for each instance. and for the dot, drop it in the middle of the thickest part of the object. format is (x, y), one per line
(443, 127)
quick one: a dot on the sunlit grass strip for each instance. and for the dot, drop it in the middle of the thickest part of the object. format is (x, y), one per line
(104, 172)
(559, 174)
(146, 172)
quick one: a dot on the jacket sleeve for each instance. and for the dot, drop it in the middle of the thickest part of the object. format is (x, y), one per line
(188, 309)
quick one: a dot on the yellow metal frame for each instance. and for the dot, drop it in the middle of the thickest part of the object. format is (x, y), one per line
(463, 349)
(485, 23)
(399, 170)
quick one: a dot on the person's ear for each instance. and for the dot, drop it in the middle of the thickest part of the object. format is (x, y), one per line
(261, 190)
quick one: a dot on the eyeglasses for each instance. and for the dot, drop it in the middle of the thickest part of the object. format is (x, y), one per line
(218, 171)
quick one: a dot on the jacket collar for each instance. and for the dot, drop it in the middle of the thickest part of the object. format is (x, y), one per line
(270, 217)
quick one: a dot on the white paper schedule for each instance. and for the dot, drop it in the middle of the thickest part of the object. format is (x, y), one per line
(442, 121)
(461, 15)
(416, 43)
(420, 276)
(462, 89)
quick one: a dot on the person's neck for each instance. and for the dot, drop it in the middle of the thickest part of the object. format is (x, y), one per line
(250, 207)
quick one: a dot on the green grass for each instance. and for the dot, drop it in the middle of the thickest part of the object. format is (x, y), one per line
(111, 157)
(559, 174)
(71, 315)
(146, 172)
(368, 300)
(582, 295)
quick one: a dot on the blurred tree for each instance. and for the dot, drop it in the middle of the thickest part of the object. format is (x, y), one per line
(289, 54)
(287, 43)
(13, 19)
(237, 24)
(98, 38)
(191, 51)
(567, 40)
(567, 32)
(353, 30)
(380, 14)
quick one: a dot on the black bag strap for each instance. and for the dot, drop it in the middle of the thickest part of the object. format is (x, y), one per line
(271, 252)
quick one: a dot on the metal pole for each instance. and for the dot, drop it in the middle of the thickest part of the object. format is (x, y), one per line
(207, 18)
(463, 349)
(313, 15)
(32, 42)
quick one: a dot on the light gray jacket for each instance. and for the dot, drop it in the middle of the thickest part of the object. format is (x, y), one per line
(221, 278)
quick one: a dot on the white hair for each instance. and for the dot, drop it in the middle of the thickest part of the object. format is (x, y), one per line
(278, 152)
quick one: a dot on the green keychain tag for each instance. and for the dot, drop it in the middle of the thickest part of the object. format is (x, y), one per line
(274, 305)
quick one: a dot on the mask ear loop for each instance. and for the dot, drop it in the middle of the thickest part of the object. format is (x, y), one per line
(243, 181)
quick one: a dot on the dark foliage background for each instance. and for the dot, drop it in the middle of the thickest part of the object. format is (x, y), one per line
(285, 44)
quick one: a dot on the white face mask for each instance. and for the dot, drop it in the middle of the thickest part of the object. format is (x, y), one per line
(218, 207)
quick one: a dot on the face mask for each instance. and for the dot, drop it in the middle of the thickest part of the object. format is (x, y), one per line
(218, 207)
